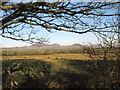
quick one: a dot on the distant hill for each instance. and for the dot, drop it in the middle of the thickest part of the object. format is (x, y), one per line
(47, 46)
(76, 45)
(38, 45)
(55, 46)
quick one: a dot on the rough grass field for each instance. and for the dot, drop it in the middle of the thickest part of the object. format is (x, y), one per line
(49, 57)
(59, 70)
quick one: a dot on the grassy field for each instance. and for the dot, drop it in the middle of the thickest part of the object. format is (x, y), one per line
(58, 69)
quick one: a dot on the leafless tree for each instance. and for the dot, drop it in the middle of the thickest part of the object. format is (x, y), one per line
(75, 17)
(105, 60)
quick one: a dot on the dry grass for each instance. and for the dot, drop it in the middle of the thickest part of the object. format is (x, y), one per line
(63, 70)
(49, 57)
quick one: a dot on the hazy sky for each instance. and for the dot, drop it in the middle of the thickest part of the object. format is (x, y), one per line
(60, 37)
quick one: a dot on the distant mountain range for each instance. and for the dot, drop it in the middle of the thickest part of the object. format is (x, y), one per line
(42, 45)
(51, 46)
(54, 46)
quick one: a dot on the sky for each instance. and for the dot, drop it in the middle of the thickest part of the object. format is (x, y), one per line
(69, 0)
(59, 37)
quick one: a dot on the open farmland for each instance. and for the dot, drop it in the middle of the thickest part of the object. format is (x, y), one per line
(57, 69)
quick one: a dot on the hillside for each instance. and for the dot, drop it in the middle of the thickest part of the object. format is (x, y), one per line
(46, 47)
(56, 46)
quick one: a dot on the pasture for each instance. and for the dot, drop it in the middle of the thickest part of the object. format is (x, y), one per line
(58, 69)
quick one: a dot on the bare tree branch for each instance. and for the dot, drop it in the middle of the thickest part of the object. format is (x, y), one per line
(81, 17)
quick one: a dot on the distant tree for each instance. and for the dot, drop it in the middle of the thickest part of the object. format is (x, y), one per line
(75, 17)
